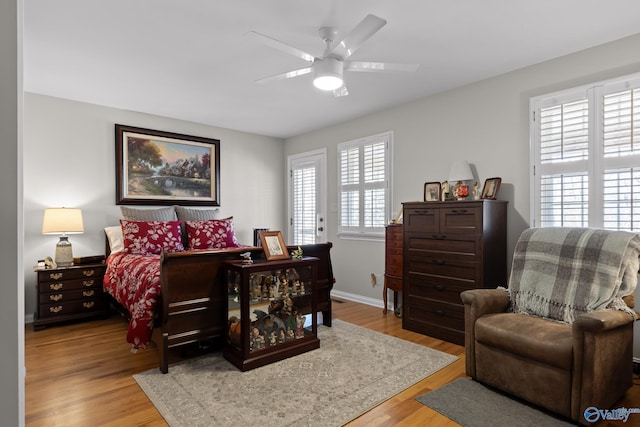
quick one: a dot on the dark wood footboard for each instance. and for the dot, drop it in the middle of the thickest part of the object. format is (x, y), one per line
(193, 292)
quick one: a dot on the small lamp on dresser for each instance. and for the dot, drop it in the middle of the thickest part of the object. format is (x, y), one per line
(459, 173)
(63, 221)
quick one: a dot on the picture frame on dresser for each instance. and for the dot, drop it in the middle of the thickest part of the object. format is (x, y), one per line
(432, 191)
(163, 168)
(490, 188)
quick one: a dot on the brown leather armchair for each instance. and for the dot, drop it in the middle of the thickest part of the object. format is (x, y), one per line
(562, 367)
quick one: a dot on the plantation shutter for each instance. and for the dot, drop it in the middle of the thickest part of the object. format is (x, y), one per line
(586, 156)
(364, 176)
(304, 205)
(564, 140)
(621, 151)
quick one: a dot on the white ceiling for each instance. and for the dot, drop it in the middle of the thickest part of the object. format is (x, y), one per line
(192, 60)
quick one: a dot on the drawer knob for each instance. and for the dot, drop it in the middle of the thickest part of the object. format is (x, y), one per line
(56, 286)
(88, 293)
(440, 287)
(56, 309)
(88, 283)
(459, 211)
(56, 276)
(439, 261)
(88, 273)
(439, 312)
(55, 297)
(439, 236)
(88, 304)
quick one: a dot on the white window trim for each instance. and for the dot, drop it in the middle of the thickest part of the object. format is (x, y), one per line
(370, 235)
(596, 164)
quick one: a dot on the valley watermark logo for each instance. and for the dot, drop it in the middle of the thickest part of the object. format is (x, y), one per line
(593, 414)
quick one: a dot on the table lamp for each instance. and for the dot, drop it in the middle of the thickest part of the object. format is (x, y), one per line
(63, 221)
(460, 172)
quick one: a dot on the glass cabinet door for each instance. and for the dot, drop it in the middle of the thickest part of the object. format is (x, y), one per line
(271, 308)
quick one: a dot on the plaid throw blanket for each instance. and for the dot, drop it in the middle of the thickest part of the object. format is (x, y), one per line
(560, 273)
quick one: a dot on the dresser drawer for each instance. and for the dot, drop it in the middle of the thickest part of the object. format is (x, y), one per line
(437, 289)
(71, 273)
(467, 220)
(65, 296)
(59, 309)
(462, 270)
(451, 247)
(436, 319)
(421, 220)
(68, 285)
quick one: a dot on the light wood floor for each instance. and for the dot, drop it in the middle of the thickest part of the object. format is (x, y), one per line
(81, 375)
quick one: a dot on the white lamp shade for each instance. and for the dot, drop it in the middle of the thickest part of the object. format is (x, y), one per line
(460, 171)
(62, 221)
(327, 73)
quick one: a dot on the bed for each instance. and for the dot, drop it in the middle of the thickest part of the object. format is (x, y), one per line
(177, 296)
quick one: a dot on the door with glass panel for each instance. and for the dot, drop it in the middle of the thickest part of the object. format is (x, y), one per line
(307, 198)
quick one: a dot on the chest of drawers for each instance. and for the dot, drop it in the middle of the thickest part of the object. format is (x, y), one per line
(450, 247)
(68, 293)
(393, 264)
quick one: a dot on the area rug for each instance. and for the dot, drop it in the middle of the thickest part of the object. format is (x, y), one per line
(472, 404)
(354, 370)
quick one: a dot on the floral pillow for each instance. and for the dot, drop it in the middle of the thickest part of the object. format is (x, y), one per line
(151, 237)
(211, 234)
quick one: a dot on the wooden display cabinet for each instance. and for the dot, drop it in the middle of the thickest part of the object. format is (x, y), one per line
(271, 309)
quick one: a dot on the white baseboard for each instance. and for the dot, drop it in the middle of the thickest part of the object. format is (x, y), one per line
(28, 318)
(359, 298)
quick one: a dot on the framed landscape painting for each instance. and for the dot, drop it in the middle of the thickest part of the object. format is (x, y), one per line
(163, 168)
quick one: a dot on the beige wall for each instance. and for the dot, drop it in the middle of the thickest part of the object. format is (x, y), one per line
(485, 123)
(70, 161)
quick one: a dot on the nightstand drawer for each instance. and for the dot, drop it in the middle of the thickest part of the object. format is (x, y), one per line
(54, 297)
(69, 285)
(58, 275)
(85, 306)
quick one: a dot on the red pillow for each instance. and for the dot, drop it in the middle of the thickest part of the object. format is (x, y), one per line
(151, 237)
(211, 234)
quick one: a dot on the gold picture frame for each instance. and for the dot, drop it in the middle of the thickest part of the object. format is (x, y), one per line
(273, 245)
(150, 168)
(490, 188)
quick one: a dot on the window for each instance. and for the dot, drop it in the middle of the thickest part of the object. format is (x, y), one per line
(586, 156)
(364, 186)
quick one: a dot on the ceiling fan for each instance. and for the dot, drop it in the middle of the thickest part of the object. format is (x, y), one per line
(328, 69)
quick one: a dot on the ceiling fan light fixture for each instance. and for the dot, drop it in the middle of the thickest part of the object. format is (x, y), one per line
(327, 74)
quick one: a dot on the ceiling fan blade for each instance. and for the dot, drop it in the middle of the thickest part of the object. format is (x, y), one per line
(370, 25)
(287, 75)
(341, 91)
(277, 44)
(382, 67)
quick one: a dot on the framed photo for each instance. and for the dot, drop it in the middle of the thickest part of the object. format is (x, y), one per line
(162, 168)
(273, 245)
(490, 188)
(432, 191)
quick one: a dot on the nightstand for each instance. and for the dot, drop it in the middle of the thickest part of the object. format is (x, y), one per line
(68, 293)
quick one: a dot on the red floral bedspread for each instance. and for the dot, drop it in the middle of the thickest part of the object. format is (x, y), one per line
(134, 281)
